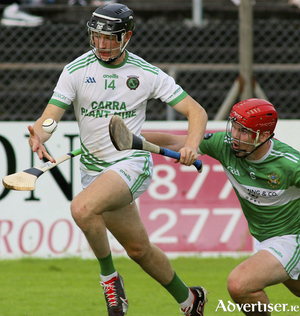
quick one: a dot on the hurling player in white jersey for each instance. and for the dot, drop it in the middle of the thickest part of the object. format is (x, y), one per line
(265, 174)
(107, 81)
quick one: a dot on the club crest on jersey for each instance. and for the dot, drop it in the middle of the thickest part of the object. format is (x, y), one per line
(132, 82)
(273, 180)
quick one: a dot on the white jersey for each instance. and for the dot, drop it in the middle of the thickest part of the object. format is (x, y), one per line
(99, 91)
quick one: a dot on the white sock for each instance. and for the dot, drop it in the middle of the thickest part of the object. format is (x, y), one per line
(189, 301)
(105, 278)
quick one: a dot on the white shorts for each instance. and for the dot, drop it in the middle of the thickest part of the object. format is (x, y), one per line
(286, 249)
(136, 172)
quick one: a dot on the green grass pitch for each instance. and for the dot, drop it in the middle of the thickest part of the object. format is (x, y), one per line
(70, 287)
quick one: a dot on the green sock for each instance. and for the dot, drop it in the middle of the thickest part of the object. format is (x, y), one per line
(177, 289)
(106, 265)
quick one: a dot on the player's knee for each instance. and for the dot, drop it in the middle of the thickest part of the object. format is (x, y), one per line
(80, 214)
(236, 288)
(137, 251)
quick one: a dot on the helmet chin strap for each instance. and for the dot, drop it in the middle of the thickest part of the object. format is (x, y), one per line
(256, 147)
(110, 59)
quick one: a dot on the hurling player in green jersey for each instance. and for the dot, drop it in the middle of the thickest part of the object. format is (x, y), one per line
(265, 174)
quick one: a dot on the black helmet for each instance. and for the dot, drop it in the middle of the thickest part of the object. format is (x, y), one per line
(112, 18)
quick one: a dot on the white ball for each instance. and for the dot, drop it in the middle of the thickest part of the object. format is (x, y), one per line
(49, 126)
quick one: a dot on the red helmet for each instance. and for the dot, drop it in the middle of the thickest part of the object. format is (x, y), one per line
(257, 115)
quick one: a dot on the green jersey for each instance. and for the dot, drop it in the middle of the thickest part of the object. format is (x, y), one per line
(268, 189)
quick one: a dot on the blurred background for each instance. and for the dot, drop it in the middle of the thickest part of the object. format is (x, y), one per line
(197, 42)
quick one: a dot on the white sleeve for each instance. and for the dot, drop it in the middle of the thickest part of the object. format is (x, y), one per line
(65, 88)
(166, 88)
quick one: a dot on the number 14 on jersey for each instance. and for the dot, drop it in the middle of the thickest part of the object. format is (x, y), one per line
(110, 84)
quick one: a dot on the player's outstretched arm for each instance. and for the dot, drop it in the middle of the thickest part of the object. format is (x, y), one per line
(173, 142)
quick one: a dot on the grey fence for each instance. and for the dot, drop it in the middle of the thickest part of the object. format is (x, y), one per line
(204, 61)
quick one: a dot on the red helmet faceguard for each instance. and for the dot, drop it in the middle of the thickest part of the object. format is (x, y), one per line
(256, 116)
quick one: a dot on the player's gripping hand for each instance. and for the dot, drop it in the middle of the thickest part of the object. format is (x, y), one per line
(188, 155)
(37, 146)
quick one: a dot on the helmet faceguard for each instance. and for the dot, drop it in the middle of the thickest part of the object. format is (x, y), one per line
(113, 20)
(252, 116)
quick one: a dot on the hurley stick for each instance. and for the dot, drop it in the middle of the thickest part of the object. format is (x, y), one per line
(124, 139)
(25, 180)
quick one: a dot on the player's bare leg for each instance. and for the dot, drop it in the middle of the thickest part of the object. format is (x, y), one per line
(109, 197)
(107, 193)
(128, 229)
(247, 281)
(132, 235)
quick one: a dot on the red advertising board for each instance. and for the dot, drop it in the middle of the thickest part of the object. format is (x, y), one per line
(189, 212)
